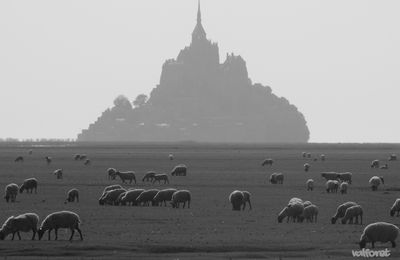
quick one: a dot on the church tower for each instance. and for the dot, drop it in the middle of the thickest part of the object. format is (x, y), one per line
(199, 34)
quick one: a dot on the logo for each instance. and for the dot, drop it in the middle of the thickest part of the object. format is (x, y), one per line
(370, 253)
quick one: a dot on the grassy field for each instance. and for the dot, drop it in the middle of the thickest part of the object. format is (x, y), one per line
(209, 229)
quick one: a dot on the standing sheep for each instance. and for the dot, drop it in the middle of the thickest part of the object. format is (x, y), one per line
(171, 156)
(11, 192)
(29, 185)
(310, 213)
(48, 160)
(111, 173)
(77, 157)
(267, 162)
(375, 164)
(58, 173)
(306, 167)
(149, 176)
(179, 170)
(181, 196)
(310, 184)
(72, 195)
(22, 223)
(395, 208)
(375, 181)
(236, 198)
(126, 176)
(353, 213)
(146, 197)
(343, 187)
(304, 154)
(392, 157)
(163, 196)
(276, 178)
(61, 219)
(160, 177)
(330, 175)
(87, 162)
(345, 176)
(332, 186)
(323, 157)
(379, 232)
(341, 210)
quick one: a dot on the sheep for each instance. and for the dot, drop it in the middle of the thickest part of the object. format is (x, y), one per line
(343, 187)
(60, 219)
(345, 176)
(323, 157)
(330, 175)
(310, 184)
(306, 167)
(160, 177)
(126, 176)
(246, 199)
(146, 197)
(181, 196)
(307, 203)
(111, 173)
(295, 200)
(148, 176)
(351, 213)
(392, 157)
(111, 187)
(276, 178)
(72, 195)
(332, 186)
(22, 223)
(29, 185)
(310, 213)
(293, 211)
(87, 162)
(341, 210)
(308, 155)
(379, 232)
(58, 173)
(384, 167)
(111, 196)
(30, 152)
(83, 157)
(236, 198)
(130, 197)
(375, 164)
(267, 162)
(164, 196)
(304, 154)
(179, 170)
(171, 156)
(48, 160)
(395, 208)
(375, 181)
(19, 159)
(77, 157)
(11, 192)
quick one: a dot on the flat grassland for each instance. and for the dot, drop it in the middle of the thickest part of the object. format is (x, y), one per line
(209, 229)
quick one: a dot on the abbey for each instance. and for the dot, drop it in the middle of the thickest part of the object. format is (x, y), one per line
(199, 99)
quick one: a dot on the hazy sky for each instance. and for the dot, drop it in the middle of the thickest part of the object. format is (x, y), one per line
(62, 63)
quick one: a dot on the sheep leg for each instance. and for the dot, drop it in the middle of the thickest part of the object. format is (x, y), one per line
(188, 204)
(80, 233)
(72, 234)
(184, 203)
(56, 231)
(373, 244)
(34, 234)
(77, 198)
(393, 243)
(356, 217)
(13, 236)
(49, 233)
(398, 213)
(250, 205)
(19, 235)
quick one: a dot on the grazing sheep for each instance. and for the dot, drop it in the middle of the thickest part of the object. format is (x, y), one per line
(267, 162)
(276, 178)
(310, 213)
(181, 196)
(72, 195)
(392, 157)
(61, 219)
(343, 187)
(110, 197)
(179, 170)
(130, 197)
(307, 203)
(295, 200)
(293, 211)
(19, 159)
(379, 232)
(126, 176)
(48, 160)
(11, 192)
(29, 185)
(310, 184)
(164, 196)
(375, 164)
(345, 176)
(87, 162)
(146, 197)
(171, 156)
(22, 223)
(384, 167)
(111, 173)
(306, 167)
(58, 173)
(395, 208)
(236, 198)
(375, 181)
(330, 175)
(246, 199)
(149, 176)
(341, 210)
(353, 213)
(160, 177)
(77, 157)
(111, 187)
(332, 186)
(323, 157)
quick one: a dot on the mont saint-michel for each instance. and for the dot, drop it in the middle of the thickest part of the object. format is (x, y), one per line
(200, 99)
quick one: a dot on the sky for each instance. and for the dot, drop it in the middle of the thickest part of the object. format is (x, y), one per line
(62, 63)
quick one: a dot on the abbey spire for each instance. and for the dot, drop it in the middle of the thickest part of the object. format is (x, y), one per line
(198, 33)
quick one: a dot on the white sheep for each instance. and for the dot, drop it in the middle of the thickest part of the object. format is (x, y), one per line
(353, 213)
(171, 156)
(58, 173)
(295, 200)
(60, 219)
(330, 175)
(276, 178)
(267, 162)
(332, 186)
(22, 223)
(310, 213)
(111, 196)
(111, 173)
(179, 170)
(149, 176)
(72, 195)
(293, 211)
(11, 192)
(310, 184)
(323, 157)
(160, 177)
(375, 181)
(307, 167)
(29, 185)
(130, 197)
(181, 196)
(236, 198)
(146, 197)
(307, 203)
(164, 196)
(384, 167)
(345, 176)
(341, 210)
(395, 208)
(343, 187)
(111, 187)
(375, 164)
(379, 232)
(48, 160)
(392, 157)
(130, 175)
